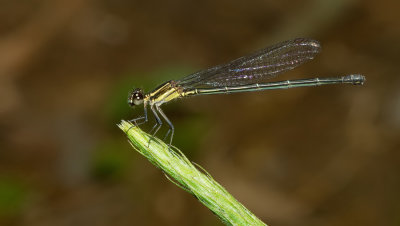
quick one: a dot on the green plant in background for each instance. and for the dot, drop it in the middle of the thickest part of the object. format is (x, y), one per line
(179, 170)
(12, 197)
(109, 165)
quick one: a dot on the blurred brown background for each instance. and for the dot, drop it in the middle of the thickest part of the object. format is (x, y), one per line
(308, 156)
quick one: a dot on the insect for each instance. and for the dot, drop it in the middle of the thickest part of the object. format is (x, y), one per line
(245, 74)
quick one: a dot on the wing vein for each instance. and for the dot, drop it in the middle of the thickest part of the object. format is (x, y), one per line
(261, 65)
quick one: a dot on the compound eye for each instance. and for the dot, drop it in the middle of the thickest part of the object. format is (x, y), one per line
(138, 99)
(135, 98)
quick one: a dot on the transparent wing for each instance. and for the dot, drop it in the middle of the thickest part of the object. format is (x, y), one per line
(261, 65)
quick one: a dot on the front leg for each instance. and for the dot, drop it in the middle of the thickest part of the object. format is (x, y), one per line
(136, 121)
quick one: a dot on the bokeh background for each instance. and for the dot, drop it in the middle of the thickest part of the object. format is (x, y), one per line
(308, 156)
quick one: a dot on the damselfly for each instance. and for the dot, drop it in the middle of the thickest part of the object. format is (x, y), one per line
(241, 75)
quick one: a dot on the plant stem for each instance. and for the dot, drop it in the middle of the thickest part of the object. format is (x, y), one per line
(179, 170)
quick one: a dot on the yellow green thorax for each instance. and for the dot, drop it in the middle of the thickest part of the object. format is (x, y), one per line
(164, 93)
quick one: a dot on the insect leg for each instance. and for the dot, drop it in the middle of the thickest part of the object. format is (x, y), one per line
(135, 120)
(171, 126)
(158, 124)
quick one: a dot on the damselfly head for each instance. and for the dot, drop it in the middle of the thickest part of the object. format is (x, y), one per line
(135, 97)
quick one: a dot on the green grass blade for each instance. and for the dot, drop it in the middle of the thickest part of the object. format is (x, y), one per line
(183, 173)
